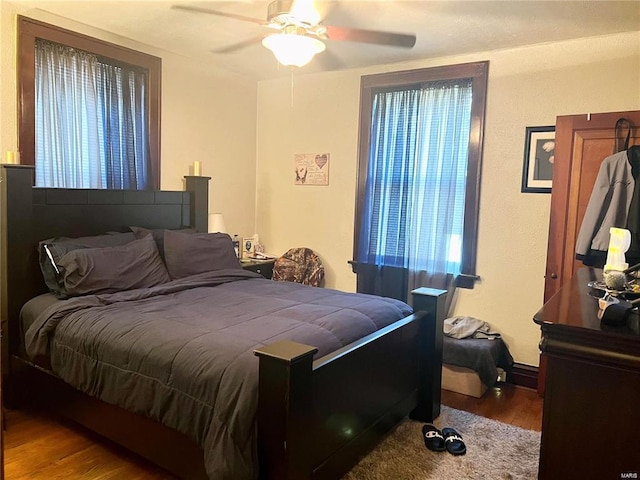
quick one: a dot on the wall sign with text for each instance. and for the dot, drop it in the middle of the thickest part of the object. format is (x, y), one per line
(311, 168)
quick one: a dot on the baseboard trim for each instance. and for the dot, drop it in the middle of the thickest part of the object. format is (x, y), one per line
(523, 375)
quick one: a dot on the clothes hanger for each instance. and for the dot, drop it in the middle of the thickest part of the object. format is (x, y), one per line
(620, 124)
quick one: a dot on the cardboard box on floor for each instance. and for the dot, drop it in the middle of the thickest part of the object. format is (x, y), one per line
(463, 380)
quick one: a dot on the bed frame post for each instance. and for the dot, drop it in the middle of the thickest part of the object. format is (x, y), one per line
(285, 386)
(431, 302)
(199, 188)
(16, 182)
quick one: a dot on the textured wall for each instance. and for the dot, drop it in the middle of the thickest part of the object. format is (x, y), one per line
(527, 87)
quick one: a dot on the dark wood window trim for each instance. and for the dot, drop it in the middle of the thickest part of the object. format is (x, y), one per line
(478, 73)
(28, 31)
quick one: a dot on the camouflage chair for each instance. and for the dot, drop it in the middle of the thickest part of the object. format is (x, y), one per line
(300, 265)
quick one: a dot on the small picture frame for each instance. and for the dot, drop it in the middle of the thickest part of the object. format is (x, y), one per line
(247, 247)
(539, 156)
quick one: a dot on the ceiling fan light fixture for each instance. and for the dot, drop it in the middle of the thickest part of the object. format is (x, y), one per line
(293, 49)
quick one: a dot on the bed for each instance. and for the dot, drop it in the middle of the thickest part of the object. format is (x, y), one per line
(317, 408)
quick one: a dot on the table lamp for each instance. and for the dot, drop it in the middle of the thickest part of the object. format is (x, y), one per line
(216, 223)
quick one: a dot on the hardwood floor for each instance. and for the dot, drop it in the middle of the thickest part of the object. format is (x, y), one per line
(518, 406)
(39, 446)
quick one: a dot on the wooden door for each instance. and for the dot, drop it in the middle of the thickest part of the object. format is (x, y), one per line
(582, 142)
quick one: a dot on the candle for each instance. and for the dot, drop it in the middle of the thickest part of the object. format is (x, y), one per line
(197, 169)
(12, 158)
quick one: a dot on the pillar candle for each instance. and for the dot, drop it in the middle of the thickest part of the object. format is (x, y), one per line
(197, 169)
(12, 157)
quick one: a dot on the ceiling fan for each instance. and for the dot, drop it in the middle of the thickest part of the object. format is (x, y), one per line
(299, 32)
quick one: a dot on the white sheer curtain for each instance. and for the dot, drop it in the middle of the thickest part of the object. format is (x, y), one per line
(69, 130)
(416, 181)
(434, 234)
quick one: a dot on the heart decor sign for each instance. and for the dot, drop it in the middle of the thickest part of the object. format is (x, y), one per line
(321, 160)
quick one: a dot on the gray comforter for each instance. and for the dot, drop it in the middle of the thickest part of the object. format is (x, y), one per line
(182, 352)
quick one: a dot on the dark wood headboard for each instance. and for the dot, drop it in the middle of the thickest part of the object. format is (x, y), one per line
(31, 214)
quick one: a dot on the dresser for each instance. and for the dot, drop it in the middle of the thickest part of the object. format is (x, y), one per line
(2, 425)
(591, 416)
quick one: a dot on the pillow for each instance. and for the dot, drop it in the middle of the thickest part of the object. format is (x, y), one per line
(50, 252)
(158, 235)
(136, 264)
(190, 254)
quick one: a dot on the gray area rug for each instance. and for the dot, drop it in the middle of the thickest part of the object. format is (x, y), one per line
(495, 451)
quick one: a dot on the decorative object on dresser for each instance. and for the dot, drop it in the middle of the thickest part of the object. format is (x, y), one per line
(375, 380)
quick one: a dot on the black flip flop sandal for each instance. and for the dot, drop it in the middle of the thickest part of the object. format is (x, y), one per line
(453, 441)
(433, 438)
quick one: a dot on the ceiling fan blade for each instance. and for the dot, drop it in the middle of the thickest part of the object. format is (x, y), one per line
(370, 36)
(238, 46)
(219, 13)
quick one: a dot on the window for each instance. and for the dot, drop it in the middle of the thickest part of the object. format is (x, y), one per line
(419, 172)
(89, 110)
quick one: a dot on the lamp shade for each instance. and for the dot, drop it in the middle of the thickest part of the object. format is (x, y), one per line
(291, 49)
(216, 223)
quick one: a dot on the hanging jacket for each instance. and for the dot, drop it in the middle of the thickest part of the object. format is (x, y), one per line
(608, 207)
(633, 219)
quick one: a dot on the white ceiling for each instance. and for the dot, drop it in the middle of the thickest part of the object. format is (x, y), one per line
(442, 27)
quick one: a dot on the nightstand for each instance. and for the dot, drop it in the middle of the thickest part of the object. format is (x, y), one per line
(263, 267)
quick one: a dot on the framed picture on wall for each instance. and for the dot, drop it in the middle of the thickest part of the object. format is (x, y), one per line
(539, 155)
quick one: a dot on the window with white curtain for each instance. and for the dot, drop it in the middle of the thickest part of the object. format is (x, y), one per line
(91, 121)
(89, 110)
(419, 173)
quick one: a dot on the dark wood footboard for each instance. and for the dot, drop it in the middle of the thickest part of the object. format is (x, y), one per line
(317, 419)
